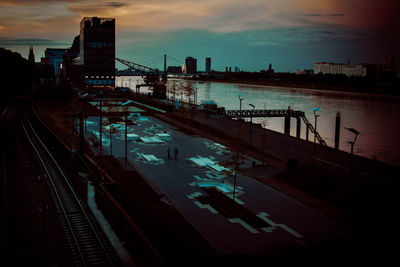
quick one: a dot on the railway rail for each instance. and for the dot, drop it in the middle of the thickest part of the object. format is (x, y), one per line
(89, 244)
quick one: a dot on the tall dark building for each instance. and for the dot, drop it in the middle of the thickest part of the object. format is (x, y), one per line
(208, 64)
(55, 56)
(191, 65)
(31, 56)
(97, 51)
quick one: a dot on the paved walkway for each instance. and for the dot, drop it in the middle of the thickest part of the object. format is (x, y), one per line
(287, 222)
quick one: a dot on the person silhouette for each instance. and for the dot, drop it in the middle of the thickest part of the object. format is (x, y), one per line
(169, 153)
(176, 151)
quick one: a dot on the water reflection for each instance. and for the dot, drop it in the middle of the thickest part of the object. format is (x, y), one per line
(376, 117)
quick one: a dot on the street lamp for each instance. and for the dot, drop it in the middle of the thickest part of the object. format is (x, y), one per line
(101, 126)
(126, 130)
(251, 123)
(240, 101)
(354, 131)
(195, 96)
(264, 125)
(315, 127)
(82, 126)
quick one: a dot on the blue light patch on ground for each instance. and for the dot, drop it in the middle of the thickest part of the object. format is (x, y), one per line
(224, 187)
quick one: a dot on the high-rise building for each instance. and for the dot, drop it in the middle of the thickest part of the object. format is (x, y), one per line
(31, 56)
(97, 51)
(191, 65)
(208, 65)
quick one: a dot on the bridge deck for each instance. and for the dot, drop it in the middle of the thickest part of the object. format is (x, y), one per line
(275, 113)
(245, 113)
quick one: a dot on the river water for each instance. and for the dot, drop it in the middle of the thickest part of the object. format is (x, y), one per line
(377, 118)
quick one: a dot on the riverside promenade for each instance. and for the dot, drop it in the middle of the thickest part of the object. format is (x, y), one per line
(279, 149)
(344, 187)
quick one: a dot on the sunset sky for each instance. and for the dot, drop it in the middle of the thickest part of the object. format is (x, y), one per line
(250, 34)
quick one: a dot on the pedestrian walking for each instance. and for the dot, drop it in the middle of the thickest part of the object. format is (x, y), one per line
(169, 153)
(176, 151)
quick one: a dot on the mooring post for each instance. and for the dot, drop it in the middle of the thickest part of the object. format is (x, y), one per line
(287, 122)
(298, 125)
(337, 130)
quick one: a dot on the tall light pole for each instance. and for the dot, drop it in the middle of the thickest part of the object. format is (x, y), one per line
(264, 125)
(251, 123)
(240, 102)
(101, 127)
(195, 100)
(126, 130)
(356, 133)
(315, 127)
(82, 126)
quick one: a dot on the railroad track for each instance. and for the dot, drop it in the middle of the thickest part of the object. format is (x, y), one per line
(89, 245)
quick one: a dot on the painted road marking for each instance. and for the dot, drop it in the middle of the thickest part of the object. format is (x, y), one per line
(264, 215)
(244, 224)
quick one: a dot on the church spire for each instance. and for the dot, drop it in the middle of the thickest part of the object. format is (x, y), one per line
(31, 56)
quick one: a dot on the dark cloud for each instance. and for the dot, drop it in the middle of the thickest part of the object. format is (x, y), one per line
(116, 4)
(31, 2)
(326, 32)
(313, 15)
(5, 41)
(324, 15)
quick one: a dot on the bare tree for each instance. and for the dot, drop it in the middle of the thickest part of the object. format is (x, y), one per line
(235, 159)
(111, 130)
(188, 90)
(173, 89)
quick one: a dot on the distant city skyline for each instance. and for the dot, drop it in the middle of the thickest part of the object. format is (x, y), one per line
(289, 34)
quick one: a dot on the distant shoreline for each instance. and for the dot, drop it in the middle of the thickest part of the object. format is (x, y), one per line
(328, 88)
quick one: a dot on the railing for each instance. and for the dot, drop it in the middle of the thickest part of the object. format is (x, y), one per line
(311, 127)
(263, 113)
(240, 113)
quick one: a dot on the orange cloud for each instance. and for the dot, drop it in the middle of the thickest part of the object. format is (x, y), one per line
(29, 16)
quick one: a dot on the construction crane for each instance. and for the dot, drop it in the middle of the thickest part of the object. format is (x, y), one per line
(151, 78)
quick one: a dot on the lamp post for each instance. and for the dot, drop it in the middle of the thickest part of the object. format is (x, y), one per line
(240, 102)
(195, 100)
(264, 125)
(126, 130)
(251, 123)
(356, 133)
(101, 127)
(315, 127)
(82, 126)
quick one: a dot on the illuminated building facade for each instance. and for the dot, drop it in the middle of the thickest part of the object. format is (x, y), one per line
(97, 51)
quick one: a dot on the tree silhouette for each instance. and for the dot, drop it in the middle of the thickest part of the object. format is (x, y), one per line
(235, 159)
